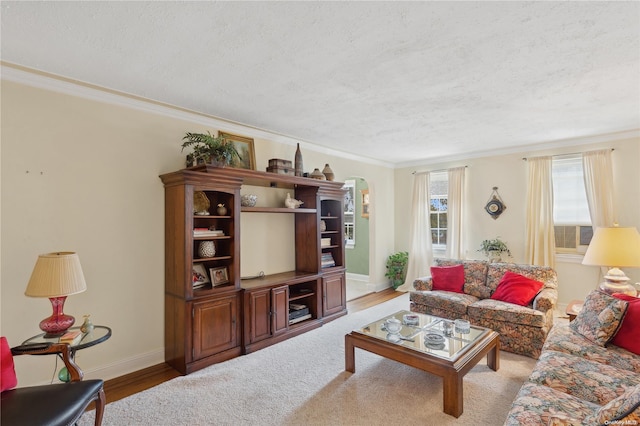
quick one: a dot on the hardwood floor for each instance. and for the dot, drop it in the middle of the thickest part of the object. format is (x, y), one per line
(135, 382)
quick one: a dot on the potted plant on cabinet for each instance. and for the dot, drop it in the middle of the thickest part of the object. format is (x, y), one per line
(397, 268)
(210, 149)
(493, 249)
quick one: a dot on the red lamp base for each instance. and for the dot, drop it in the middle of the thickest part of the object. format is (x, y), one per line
(58, 323)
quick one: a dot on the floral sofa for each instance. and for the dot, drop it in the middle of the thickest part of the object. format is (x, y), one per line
(522, 329)
(582, 376)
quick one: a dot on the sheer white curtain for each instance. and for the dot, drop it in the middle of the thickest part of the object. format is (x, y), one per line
(540, 236)
(420, 254)
(598, 183)
(455, 196)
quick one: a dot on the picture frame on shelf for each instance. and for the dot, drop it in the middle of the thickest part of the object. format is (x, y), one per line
(219, 275)
(245, 148)
(199, 276)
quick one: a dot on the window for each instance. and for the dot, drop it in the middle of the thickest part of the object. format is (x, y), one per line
(438, 190)
(571, 218)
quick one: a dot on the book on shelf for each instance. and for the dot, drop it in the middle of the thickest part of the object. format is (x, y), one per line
(327, 260)
(72, 337)
(299, 313)
(206, 232)
(302, 318)
(296, 306)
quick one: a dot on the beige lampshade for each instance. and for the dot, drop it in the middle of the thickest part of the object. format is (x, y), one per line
(614, 247)
(56, 274)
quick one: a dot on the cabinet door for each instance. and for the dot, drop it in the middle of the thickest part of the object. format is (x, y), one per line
(280, 313)
(333, 294)
(259, 315)
(214, 326)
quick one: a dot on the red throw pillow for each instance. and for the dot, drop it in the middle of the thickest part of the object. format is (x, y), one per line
(448, 278)
(517, 289)
(627, 335)
(8, 379)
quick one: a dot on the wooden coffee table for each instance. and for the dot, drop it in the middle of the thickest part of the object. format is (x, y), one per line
(451, 361)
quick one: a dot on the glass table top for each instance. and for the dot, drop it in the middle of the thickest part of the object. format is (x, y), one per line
(413, 336)
(99, 334)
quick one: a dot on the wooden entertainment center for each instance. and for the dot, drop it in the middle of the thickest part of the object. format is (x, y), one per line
(214, 321)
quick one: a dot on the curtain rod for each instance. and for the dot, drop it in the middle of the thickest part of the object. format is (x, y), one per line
(569, 153)
(435, 171)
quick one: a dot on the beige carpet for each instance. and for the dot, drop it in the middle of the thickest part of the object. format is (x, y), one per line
(302, 382)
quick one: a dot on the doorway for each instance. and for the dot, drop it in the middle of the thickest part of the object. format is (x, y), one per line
(356, 220)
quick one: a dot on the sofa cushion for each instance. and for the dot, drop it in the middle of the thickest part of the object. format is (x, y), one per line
(536, 405)
(507, 312)
(448, 278)
(456, 303)
(600, 317)
(625, 409)
(8, 378)
(544, 274)
(562, 338)
(516, 288)
(585, 379)
(475, 275)
(627, 335)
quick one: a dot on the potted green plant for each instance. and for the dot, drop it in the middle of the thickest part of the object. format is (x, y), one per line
(494, 249)
(210, 149)
(397, 268)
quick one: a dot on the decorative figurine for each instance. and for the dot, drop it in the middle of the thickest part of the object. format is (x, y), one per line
(87, 325)
(292, 203)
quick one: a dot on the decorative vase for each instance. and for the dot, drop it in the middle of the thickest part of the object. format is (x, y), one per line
(327, 172)
(298, 162)
(317, 174)
(323, 226)
(206, 249)
(222, 211)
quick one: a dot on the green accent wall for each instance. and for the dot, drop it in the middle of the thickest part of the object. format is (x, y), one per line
(357, 258)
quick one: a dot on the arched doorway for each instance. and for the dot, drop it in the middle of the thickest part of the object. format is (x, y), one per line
(356, 218)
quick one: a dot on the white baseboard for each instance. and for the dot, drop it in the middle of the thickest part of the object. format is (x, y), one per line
(126, 366)
(357, 277)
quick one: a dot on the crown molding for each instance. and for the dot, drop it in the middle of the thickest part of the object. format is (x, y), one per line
(535, 147)
(55, 83)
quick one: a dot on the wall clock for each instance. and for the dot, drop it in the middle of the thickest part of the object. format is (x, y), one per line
(495, 206)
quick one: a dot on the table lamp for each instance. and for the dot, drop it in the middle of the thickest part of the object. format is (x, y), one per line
(615, 248)
(56, 276)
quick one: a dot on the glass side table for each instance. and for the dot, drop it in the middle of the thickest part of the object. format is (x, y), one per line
(99, 334)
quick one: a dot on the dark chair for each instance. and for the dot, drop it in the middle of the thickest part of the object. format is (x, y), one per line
(54, 404)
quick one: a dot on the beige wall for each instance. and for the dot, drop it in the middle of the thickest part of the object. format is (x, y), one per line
(509, 174)
(82, 175)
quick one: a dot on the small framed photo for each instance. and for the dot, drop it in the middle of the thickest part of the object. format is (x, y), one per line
(219, 275)
(245, 148)
(365, 202)
(199, 276)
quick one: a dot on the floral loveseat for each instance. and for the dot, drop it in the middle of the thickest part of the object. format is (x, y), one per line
(582, 376)
(522, 329)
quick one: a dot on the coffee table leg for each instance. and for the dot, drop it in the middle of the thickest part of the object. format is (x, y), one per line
(349, 354)
(493, 357)
(452, 394)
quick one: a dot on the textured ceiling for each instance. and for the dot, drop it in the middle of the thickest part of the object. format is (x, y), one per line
(397, 82)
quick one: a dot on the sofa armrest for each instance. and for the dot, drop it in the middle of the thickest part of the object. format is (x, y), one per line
(546, 300)
(423, 284)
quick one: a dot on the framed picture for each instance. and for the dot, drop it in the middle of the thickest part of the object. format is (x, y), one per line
(219, 275)
(199, 276)
(245, 148)
(365, 202)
